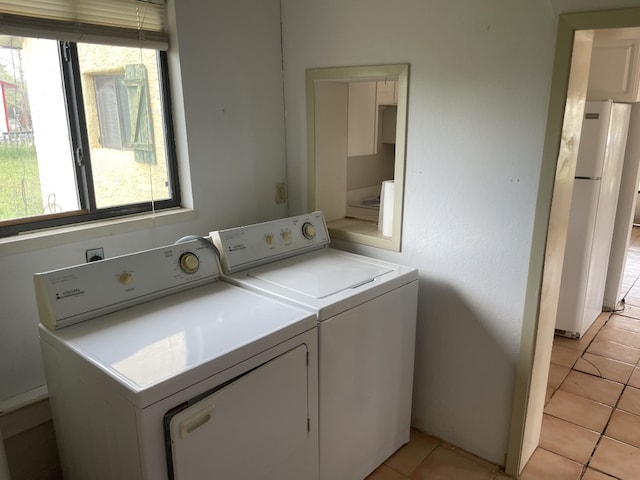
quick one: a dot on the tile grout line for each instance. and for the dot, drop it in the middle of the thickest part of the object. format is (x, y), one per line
(586, 466)
(604, 429)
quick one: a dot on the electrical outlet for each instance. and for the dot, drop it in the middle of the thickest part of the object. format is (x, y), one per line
(94, 254)
(281, 192)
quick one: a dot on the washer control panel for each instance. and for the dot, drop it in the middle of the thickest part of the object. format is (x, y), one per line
(75, 294)
(245, 247)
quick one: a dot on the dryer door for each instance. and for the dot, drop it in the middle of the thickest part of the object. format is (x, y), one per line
(252, 428)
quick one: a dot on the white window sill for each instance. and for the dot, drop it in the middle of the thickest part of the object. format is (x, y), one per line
(53, 237)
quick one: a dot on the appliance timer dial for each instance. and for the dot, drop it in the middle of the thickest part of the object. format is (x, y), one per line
(126, 278)
(308, 230)
(189, 262)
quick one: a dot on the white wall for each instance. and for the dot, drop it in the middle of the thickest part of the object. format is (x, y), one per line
(479, 85)
(233, 146)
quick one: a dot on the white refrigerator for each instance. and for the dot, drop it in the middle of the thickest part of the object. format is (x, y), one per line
(592, 216)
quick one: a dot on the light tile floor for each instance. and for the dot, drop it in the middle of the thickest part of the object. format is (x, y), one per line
(591, 424)
(427, 458)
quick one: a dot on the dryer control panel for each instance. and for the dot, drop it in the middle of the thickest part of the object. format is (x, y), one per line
(79, 293)
(252, 245)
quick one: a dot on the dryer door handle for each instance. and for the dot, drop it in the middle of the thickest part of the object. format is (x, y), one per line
(197, 420)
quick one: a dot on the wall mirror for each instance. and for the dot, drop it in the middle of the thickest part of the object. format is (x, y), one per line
(356, 131)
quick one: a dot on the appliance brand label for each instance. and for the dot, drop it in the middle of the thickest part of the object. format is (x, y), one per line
(69, 293)
(592, 116)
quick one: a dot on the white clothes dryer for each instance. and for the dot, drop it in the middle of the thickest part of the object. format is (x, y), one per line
(157, 371)
(366, 311)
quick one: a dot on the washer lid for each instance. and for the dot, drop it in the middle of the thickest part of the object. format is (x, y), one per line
(160, 347)
(322, 273)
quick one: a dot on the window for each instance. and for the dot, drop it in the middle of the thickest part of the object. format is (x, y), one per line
(113, 111)
(85, 129)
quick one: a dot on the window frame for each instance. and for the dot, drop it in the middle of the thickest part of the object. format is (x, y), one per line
(88, 211)
(352, 229)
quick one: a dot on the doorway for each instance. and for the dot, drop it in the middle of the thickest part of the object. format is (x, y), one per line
(566, 106)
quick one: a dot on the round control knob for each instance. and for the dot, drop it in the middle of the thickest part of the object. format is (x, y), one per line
(286, 234)
(268, 238)
(126, 278)
(189, 263)
(308, 230)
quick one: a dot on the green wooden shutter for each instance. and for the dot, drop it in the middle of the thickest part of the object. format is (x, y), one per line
(135, 78)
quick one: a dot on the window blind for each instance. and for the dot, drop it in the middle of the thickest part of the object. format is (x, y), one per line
(122, 22)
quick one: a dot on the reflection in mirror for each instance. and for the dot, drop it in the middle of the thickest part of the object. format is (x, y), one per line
(356, 130)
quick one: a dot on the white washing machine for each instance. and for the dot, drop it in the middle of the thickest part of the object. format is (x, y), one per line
(366, 310)
(157, 371)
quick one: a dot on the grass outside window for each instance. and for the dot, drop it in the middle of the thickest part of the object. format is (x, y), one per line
(20, 196)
